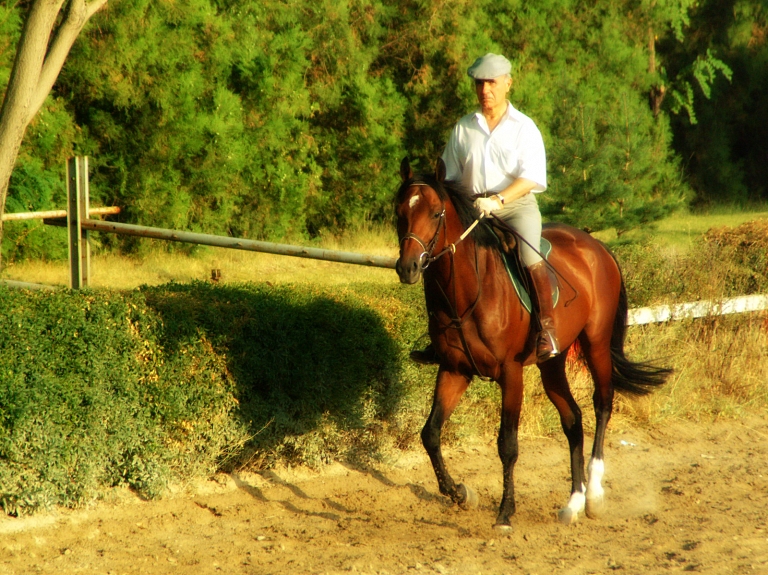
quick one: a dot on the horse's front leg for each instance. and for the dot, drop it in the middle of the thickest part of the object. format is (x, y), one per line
(448, 391)
(511, 383)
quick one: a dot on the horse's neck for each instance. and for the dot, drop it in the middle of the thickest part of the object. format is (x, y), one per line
(459, 274)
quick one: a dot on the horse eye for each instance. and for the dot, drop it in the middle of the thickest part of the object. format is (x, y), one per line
(437, 215)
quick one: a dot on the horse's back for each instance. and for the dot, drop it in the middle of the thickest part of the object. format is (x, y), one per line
(573, 245)
(592, 276)
(563, 233)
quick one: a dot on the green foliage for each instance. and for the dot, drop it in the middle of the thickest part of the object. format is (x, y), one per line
(159, 92)
(725, 147)
(282, 119)
(10, 29)
(259, 119)
(612, 168)
(161, 385)
(705, 71)
(89, 399)
(33, 188)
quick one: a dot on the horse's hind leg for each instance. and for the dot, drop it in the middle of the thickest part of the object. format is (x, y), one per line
(558, 391)
(598, 357)
(448, 391)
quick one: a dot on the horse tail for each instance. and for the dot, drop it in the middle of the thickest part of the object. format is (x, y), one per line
(637, 378)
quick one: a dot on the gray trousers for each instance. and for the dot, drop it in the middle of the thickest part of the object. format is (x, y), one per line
(524, 217)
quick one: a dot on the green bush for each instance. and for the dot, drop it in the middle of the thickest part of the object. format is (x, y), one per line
(154, 386)
(89, 399)
(307, 364)
(723, 263)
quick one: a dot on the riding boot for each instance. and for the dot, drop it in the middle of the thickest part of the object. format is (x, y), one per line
(425, 356)
(546, 341)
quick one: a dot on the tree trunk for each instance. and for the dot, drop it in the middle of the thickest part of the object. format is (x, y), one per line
(657, 93)
(40, 55)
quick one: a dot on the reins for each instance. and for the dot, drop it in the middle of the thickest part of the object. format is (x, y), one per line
(457, 321)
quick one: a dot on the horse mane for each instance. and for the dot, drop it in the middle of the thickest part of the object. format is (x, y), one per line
(463, 202)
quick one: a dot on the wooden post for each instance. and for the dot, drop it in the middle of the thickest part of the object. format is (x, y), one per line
(77, 211)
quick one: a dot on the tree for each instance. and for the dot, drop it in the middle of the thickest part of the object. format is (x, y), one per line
(725, 149)
(261, 118)
(50, 29)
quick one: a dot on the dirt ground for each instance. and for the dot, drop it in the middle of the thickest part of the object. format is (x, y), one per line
(687, 497)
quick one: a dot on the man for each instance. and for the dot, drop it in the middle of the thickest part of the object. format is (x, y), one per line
(497, 152)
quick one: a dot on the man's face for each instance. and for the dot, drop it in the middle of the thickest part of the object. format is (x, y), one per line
(492, 93)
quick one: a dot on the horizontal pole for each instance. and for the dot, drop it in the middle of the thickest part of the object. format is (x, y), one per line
(238, 244)
(57, 214)
(27, 285)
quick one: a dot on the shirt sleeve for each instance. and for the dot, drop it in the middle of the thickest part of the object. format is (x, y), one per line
(533, 158)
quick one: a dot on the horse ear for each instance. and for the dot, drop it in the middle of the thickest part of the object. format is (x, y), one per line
(406, 173)
(440, 170)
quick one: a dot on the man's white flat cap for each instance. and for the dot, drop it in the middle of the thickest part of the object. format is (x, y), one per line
(489, 66)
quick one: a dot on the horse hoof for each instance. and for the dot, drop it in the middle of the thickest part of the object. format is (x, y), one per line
(469, 498)
(595, 508)
(567, 516)
(503, 529)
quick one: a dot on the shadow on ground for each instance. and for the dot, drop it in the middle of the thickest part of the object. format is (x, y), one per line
(315, 373)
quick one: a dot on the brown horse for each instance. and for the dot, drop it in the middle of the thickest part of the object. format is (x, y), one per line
(479, 327)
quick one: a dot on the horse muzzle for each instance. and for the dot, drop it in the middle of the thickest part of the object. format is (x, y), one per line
(409, 270)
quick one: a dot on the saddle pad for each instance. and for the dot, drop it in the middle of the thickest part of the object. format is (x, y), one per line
(513, 265)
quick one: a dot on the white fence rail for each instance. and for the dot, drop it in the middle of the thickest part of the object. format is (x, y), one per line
(661, 313)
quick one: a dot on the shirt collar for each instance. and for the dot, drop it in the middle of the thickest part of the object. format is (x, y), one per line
(511, 113)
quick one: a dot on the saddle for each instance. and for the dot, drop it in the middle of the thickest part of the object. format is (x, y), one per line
(516, 270)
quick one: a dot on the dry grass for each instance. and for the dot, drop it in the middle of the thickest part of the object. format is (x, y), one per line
(677, 233)
(719, 368)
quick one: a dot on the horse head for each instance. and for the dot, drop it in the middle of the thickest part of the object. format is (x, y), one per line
(420, 214)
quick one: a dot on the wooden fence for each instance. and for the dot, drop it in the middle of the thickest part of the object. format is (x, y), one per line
(79, 224)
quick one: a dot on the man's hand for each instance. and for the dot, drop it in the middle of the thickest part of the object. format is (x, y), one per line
(487, 205)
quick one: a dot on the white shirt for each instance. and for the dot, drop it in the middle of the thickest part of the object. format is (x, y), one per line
(486, 161)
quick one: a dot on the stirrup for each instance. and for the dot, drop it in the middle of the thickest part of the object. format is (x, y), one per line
(426, 356)
(546, 346)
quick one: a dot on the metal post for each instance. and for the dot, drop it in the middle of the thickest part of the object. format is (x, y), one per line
(77, 211)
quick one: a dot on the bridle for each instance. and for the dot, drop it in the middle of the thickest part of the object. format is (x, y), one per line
(426, 258)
